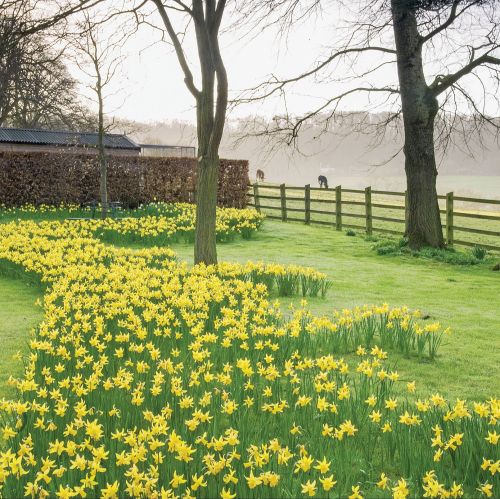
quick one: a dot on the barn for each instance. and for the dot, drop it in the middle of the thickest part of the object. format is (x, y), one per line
(38, 140)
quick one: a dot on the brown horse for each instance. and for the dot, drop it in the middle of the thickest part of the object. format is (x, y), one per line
(260, 176)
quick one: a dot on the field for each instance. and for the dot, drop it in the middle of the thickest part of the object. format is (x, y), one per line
(475, 186)
(162, 370)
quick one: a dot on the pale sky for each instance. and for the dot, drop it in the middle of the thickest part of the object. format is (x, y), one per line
(154, 90)
(150, 87)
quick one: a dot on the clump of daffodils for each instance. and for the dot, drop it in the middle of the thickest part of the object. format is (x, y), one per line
(288, 280)
(152, 224)
(163, 223)
(150, 379)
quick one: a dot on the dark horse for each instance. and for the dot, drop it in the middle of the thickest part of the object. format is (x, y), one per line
(323, 181)
(260, 176)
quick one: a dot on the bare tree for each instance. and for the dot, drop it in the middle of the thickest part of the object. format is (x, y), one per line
(436, 47)
(211, 103)
(36, 89)
(177, 16)
(11, 56)
(98, 56)
(419, 99)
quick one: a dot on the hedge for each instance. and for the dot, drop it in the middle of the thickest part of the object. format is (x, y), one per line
(54, 178)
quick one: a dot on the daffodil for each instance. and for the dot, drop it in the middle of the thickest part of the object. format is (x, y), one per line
(486, 489)
(226, 494)
(327, 482)
(110, 491)
(355, 492)
(383, 482)
(309, 488)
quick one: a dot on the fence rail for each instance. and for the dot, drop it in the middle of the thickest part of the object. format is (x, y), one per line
(361, 201)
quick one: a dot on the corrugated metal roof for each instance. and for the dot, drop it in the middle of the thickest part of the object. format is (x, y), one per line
(64, 138)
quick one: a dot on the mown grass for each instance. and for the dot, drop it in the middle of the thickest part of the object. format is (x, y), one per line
(18, 315)
(463, 297)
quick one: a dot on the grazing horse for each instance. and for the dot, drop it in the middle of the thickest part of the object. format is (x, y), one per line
(323, 181)
(260, 176)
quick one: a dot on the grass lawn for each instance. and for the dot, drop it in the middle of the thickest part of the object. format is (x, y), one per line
(18, 315)
(465, 298)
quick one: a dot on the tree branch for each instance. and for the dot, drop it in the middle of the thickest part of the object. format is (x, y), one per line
(188, 75)
(222, 80)
(442, 83)
(184, 7)
(47, 23)
(280, 84)
(451, 19)
(294, 128)
(219, 11)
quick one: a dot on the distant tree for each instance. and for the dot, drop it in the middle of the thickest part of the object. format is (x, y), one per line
(177, 17)
(36, 89)
(434, 45)
(98, 56)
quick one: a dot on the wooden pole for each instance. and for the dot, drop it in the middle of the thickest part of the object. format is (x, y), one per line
(256, 199)
(449, 218)
(307, 203)
(406, 210)
(283, 202)
(368, 211)
(338, 207)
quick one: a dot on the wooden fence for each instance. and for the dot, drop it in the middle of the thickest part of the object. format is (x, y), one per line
(347, 206)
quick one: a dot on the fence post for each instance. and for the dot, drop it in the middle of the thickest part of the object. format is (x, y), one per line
(307, 203)
(368, 210)
(338, 207)
(256, 199)
(407, 210)
(283, 202)
(449, 218)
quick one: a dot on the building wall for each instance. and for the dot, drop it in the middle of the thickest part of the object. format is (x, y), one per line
(63, 149)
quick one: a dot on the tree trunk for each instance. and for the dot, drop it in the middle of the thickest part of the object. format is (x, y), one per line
(420, 107)
(210, 115)
(101, 153)
(205, 250)
(424, 220)
(103, 184)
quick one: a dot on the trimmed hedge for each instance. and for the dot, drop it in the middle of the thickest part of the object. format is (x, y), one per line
(54, 178)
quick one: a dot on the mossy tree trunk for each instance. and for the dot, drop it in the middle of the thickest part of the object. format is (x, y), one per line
(420, 107)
